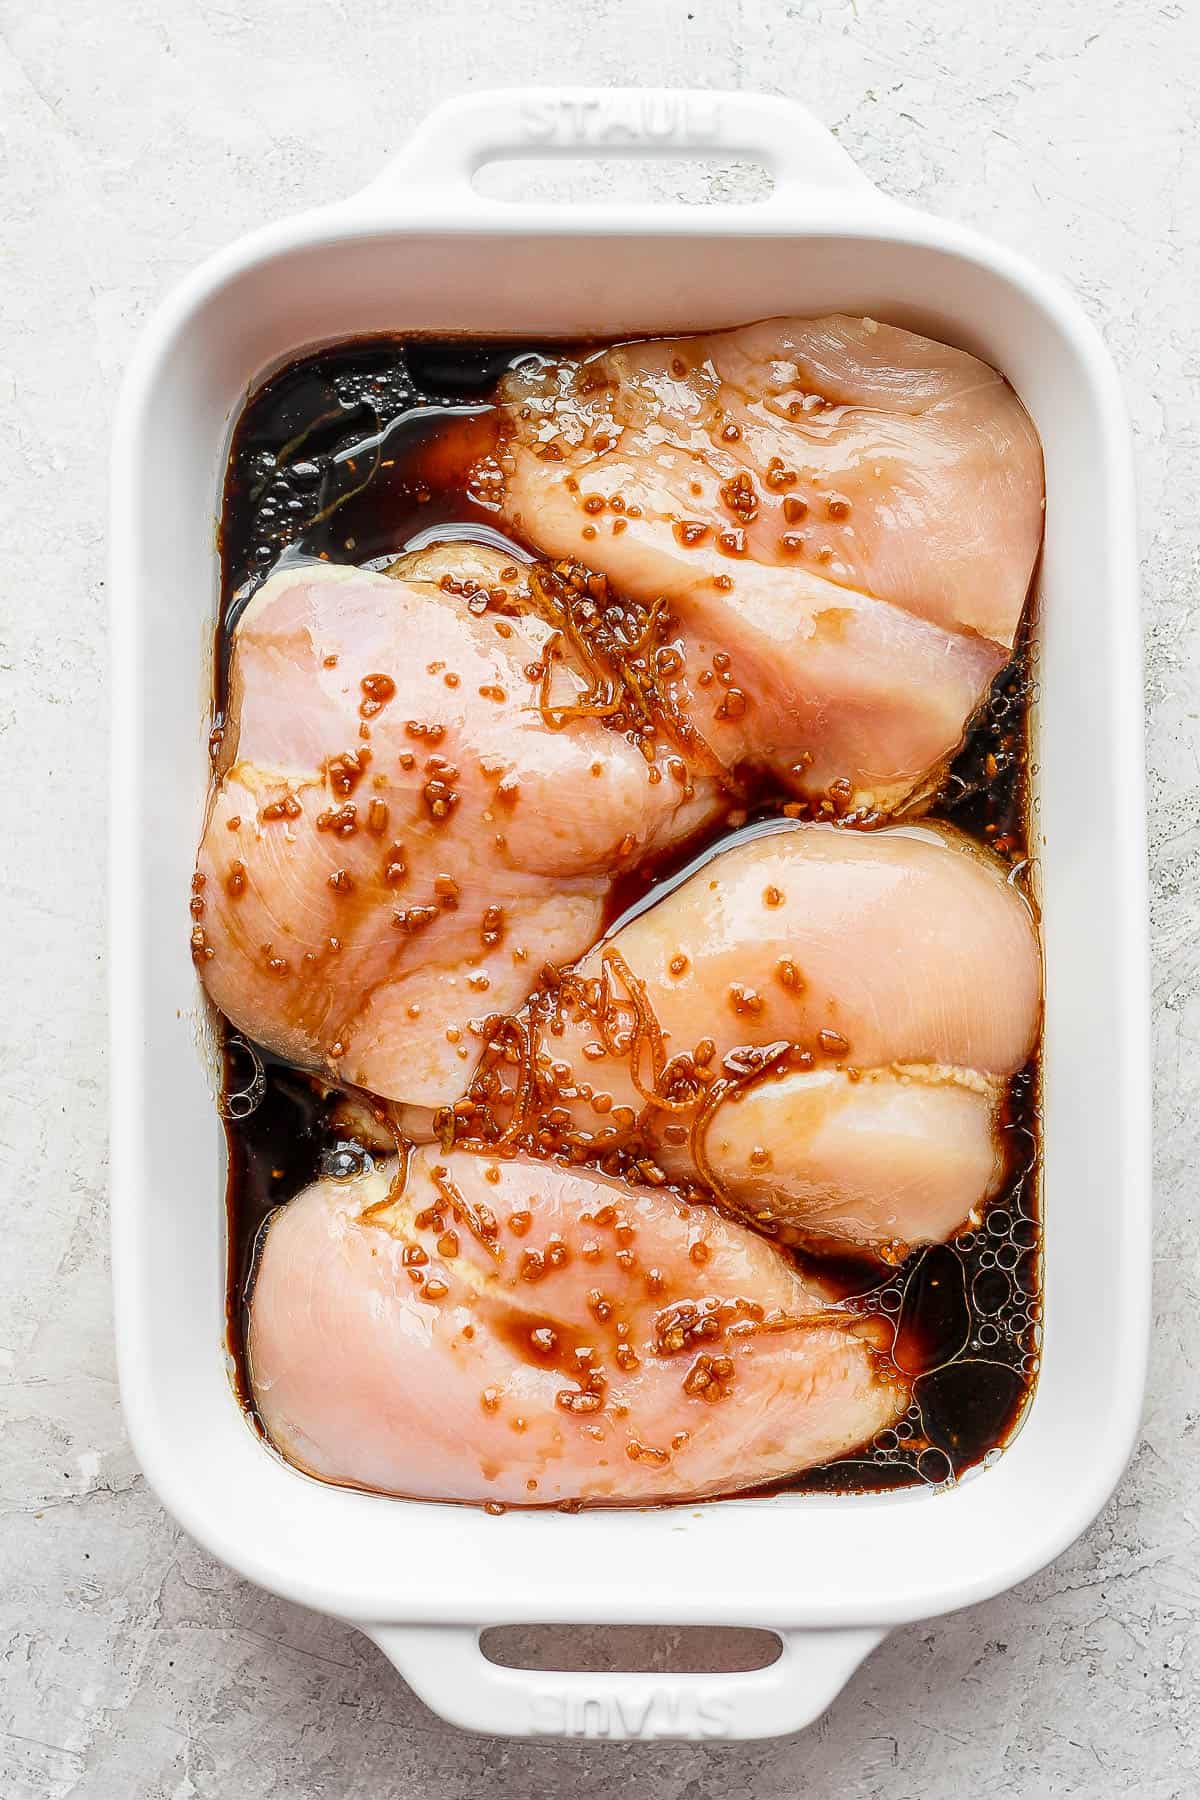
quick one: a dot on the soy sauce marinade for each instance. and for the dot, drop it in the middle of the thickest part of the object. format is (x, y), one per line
(337, 456)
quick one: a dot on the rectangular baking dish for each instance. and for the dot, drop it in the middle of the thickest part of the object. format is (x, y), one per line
(420, 250)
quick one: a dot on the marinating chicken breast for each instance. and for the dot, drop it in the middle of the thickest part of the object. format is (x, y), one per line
(847, 513)
(397, 841)
(515, 1332)
(843, 1158)
(817, 1023)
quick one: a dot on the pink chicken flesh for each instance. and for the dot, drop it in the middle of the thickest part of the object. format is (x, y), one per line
(396, 843)
(846, 513)
(520, 1333)
(819, 1023)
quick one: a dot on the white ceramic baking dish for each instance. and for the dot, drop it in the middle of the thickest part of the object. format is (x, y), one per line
(420, 250)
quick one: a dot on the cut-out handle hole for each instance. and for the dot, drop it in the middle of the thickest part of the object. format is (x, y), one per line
(631, 1649)
(697, 181)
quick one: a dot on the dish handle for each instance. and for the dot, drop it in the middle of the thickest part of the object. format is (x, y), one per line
(446, 1667)
(449, 147)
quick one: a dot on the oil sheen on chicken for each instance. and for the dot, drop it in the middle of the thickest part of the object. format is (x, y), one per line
(818, 1023)
(396, 842)
(516, 1332)
(843, 515)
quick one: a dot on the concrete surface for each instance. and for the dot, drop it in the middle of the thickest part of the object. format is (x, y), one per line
(136, 137)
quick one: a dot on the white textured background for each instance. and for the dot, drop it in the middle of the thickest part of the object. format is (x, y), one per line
(135, 138)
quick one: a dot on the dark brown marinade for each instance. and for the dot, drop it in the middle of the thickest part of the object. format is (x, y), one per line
(337, 456)
(276, 1141)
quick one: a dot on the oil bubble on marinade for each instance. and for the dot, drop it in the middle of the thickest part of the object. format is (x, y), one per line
(344, 1161)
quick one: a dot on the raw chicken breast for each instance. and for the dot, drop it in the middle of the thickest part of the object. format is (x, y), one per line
(819, 1023)
(516, 1332)
(849, 513)
(396, 842)
(891, 1156)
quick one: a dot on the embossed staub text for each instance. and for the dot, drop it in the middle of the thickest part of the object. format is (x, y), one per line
(658, 1713)
(614, 120)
